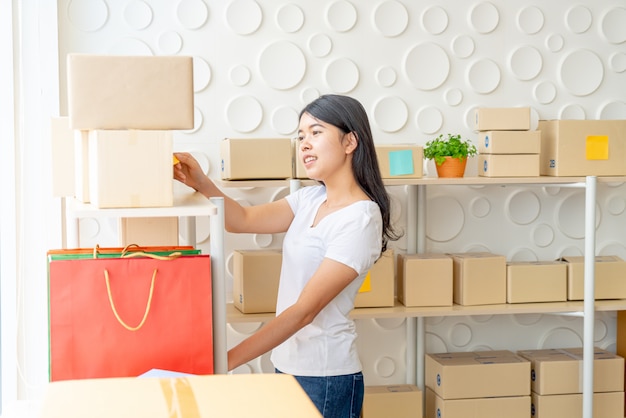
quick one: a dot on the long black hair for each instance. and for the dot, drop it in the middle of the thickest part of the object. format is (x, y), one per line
(349, 115)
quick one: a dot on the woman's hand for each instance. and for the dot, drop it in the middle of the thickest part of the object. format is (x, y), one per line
(188, 171)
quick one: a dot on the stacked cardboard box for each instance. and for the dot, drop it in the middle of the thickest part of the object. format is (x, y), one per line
(506, 145)
(424, 279)
(479, 278)
(257, 159)
(378, 288)
(536, 281)
(479, 384)
(556, 383)
(397, 401)
(400, 161)
(256, 274)
(609, 272)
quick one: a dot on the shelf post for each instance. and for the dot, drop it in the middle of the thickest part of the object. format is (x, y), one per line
(218, 283)
(589, 295)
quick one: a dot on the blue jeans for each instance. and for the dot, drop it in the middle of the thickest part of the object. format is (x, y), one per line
(335, 396)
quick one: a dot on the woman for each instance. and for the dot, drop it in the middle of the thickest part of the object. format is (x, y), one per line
(335, 231)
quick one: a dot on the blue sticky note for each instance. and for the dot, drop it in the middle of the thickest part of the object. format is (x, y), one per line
(401, 163)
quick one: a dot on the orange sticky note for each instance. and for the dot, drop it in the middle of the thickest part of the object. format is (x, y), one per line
(597, 147)
(367, 284)
(174, 160)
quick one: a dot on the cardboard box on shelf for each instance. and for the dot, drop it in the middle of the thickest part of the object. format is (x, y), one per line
(559, 371)
(256, 274)
(130, 168)
(605, 405)
(256, 158)
(515, 407)
(479, 278)
(424, 279)
(477, 374)
(583, 147)
(400, 161)
(130, 92)
(508, 165)
(398, 401)
(265, 394)
(610, 271)
(502, 119)
(509, 142)
(536, 281)
(148, 231)
(381, 280)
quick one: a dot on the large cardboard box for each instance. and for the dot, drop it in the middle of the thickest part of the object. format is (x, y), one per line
(400, 161)
(605, 405)
(502, 119)
(508, 165)
(130, 168)
(583, 147)
(609, 277)
(424, 279)
(234, 396)
(256, 274)
(479, 278)
(509, 142)
(397, 401)
(477, 374)
(536, 281)
(256, 158)
(130, 92)
(515, 407)
(161, 231)
(559, 371)
(381, 279)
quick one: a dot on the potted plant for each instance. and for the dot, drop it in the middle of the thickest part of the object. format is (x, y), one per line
(450, 154)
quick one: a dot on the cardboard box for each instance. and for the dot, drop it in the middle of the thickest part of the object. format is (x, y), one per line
(161, 231)
(477, 374)
(424, 279)
(583, 147)
(256, 274)
(502, 119)
(508, 165)
(605, 405)
(609, 277)
(559, 371)
(62, 149)
(130, 92)
(479, 278)
(227, 395)
(400, 161)
(81, 166)
(256, 158)
(382, 280)
(509, 142)
(536, 281)
(398, 401)
(515, 407)
(130, 169)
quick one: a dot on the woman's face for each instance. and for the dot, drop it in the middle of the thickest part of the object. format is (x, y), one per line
(323, 148)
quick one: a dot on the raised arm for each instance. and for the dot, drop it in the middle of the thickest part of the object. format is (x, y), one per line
(268, 218)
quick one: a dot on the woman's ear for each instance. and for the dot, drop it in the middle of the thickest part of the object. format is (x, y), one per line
(351, 142)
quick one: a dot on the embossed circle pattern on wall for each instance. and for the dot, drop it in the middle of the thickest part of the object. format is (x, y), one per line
(431, 76)
(342, 75)
(581, 72)
(290, 18)
(88, 15)
(530, 20)
(341, 16)
(390, 18)
(192, 14)
(138, 14)
(390, 114)
(446, 218)
(282, 65)
(435, 20)
(244, 113)
(244, 17)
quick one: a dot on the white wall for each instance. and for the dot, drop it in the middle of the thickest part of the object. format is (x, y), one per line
(420, 68)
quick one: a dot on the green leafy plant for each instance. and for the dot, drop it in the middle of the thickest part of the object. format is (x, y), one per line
(453, 146)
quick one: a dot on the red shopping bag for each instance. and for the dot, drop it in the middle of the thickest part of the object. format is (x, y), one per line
(120, 317)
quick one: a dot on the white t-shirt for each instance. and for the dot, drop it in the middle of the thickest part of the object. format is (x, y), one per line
(352, 236)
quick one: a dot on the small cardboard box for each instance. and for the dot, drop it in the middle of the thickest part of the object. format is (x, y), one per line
(400, 161)
(256, 158)
(605, 405)
(62, 149)
(424, 279)
(130, 168)
(223, 395)
(130, 92)
(509, 142)
(479, 278)
(583, 147)
(536, 281)
(477, 374)
(161, 231)
(609, 277)
(515, 407)
(382, 280)
(559, 371)
(256, 274)
(397, 401)
(502, 119)
(508, 165)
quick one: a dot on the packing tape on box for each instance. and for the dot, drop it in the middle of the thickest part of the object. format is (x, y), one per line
(179, 398)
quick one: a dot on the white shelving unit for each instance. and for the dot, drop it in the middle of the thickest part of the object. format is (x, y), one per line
(189, 206)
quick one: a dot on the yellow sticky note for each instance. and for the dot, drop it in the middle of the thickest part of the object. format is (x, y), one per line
(174, 160)
(367, 284)
(597, 147)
